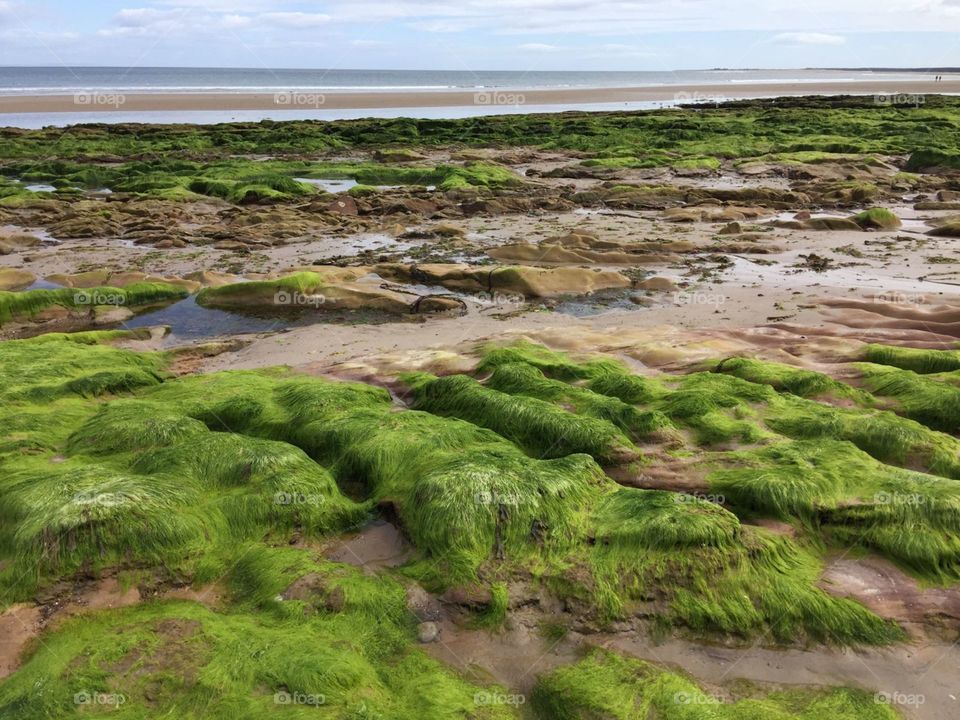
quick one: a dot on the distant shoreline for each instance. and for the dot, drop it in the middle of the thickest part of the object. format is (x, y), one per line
(105, 101)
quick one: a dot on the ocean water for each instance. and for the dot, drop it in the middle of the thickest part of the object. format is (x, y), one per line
(67, 81)
(60, 80)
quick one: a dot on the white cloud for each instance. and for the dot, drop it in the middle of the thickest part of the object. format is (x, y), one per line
(808, 38)
(233, 22)
(539, 47)
(295, 20)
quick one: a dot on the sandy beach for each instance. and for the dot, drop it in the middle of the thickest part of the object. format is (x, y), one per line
(293, 99)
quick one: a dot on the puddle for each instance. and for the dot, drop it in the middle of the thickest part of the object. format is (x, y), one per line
(377, 546)
(513, 658)
(596, 304)
(44, 285)
(332, 186)
(190, 322)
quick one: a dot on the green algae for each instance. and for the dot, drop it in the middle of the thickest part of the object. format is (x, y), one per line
(877, 219)
(803, 128)
(920, 361)
(242, 181)
(523, 379)
(539, 427)
(920, 397)
(716, 576)
(352, 659)
(786, 378)
(233, 458)
(608, 686)
(25, 304)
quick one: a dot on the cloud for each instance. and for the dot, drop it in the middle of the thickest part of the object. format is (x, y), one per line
(234, 22)
(808, 38)
(295, 20)
(539, 47)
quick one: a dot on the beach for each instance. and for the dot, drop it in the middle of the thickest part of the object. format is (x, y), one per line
(491, 407)
(908, 91)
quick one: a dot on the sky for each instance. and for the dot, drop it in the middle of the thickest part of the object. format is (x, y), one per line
(482, 34)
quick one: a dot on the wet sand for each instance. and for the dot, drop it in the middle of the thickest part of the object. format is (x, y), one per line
(295, 99)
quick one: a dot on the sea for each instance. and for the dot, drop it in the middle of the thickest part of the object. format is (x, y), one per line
(69, 80)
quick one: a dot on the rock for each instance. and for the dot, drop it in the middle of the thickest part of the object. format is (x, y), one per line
(554, 282)
(423, 605)
(640, 253)
(657, 284)
(343, 205)
(427, 632)
(448, 231)
(16, 280)
(948, 196)
(951, 229)
(105, 278)
(802, 215)
(233, 245)
(436, 304)
(713, 213)
(788, 224)
(578, 239)
(830, 223)
(15, 243)
(475, 596)
(397, 156)
(314, 292)
(84, 227)
(877, 219)
(412, 206)
(930, 205)
(210, 278)
(733, 228)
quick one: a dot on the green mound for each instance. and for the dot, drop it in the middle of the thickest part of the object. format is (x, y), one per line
(919, 361)
(25, 304)
(610, 687)
(877, 219)
(539, 427)
(486, 478)
(786, 378)
(337, 647)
